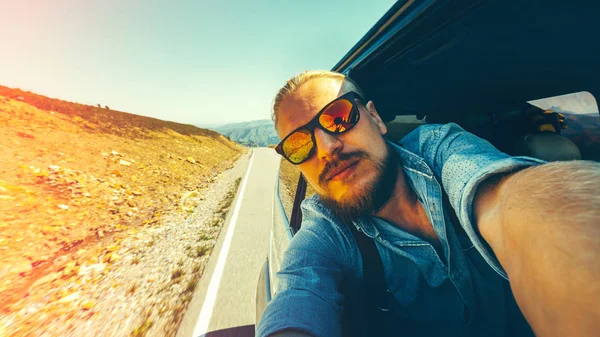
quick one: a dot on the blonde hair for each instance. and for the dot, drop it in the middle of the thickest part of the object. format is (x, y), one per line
(297, 81)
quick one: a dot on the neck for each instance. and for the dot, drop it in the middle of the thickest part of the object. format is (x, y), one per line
(404, 210)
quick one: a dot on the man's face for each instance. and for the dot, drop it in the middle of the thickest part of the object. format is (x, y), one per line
(348, 168)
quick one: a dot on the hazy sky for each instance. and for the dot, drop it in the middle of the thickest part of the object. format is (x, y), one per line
(200, 62)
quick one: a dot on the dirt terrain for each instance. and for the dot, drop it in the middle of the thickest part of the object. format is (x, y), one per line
(77, 184)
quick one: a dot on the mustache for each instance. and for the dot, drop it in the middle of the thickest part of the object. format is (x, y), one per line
(342, 160)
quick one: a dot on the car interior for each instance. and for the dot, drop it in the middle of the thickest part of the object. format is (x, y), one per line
(478, 64)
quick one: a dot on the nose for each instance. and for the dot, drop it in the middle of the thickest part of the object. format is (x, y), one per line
(327, 145)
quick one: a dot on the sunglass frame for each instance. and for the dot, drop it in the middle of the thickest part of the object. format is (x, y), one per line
(314, 123)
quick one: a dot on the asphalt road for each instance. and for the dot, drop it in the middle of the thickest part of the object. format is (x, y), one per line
(225, 297)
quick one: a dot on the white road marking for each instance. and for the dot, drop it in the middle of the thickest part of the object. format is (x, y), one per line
(211, 295)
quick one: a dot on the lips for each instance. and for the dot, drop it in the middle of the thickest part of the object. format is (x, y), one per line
(339, 171)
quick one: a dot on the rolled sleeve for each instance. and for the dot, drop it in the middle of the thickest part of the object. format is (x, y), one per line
(308, 297)
(462, 161)
(467, 197)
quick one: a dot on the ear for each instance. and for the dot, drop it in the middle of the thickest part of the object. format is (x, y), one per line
(375, 117)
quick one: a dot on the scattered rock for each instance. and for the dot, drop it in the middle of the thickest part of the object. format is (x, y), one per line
(189, 194)
(21, 267)
(111, 257)
(54, 168)
(113, 248)
(191, 160)
(46, 279)
(136, 193)
(91, 269)
(70, 269)
(61, 260)
(115, 153)
(63, 206)
(87, 305)
(70, 298)
(124, 162)
(25, 135)
(39, 173)
(49, 229)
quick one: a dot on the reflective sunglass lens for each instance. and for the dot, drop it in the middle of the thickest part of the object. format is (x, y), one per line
(298, 145)
(339, 116)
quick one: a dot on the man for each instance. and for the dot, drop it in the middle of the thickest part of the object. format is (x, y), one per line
(536, 224)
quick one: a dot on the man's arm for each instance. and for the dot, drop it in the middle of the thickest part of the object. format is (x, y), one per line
(543, 224)
(309, 300)
(461, 162)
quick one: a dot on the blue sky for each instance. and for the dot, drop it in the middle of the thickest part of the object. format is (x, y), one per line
(198, 62)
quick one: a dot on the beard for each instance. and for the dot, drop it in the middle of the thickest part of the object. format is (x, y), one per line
(366, 200)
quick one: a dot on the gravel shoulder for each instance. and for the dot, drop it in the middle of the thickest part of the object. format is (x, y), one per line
(136, 284)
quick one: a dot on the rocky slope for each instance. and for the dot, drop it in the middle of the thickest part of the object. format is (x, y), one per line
(77, 182)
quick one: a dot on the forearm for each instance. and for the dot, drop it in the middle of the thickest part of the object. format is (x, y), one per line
(545, 231)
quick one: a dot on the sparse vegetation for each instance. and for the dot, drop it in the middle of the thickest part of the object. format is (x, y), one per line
(132, 288)
(76, 180)
(224, 204)
(176, 275)
(190, 286)
(142, 329)
(196, 268)
(288, 180)
(201, 250)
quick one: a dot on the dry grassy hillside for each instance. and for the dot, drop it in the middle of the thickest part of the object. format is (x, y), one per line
(288, 181)
(73, 175)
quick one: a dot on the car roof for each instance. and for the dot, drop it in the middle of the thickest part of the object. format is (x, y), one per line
(439, 58)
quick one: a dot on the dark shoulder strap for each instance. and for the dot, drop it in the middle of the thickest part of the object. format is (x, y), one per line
(376, 293)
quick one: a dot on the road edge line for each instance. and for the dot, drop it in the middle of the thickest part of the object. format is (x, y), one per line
(211, 295)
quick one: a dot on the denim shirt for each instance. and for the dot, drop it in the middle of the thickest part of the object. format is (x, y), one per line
(461, 291)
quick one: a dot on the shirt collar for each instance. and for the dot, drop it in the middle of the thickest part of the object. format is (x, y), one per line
(412, 162)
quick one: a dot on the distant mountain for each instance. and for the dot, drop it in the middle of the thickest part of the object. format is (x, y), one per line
(253, 133)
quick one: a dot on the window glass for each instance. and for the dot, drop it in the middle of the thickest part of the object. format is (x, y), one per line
(580, 103)
(288, 179)
(582, 118)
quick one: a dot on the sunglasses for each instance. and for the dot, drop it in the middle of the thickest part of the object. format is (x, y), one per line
(337, 117)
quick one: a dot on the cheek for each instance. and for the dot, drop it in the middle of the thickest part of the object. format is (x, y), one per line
(311, 171)
(366, 136)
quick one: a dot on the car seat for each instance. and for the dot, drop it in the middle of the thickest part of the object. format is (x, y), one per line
(545, 140)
